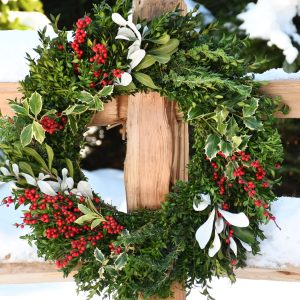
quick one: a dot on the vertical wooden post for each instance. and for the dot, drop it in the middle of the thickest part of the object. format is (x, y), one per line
(157, 143)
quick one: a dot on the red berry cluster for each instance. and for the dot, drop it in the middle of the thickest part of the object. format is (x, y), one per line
(55, 217)
(80, 35)
(100, 54)
(115, 250)
(249, 177)
(117, 73)
(53, 125)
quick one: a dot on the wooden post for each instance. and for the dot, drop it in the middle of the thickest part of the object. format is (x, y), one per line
(157, 143)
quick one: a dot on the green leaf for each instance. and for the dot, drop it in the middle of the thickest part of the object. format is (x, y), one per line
(229, 171)
(236, 141)
(221, 116)
(26, 168)
(163, 58)
(212, 146)
(130, 87)
(250, 107)
(245, 141)
(147, 62)
(76, 109)
(106, 91)
(73, 124)
(50, 154)
(121, 261)
(145, 80)
(98, 104)
(84, 209)
(85, 97)
(225, 147)
(70, 167)
(36, 103)
(96, 223)
(232, 128)
(252, 123)
(244, 234)
(31, 152)
(99, 255)
(19, 110)
(168, 48)
(86, 218)
(38, 132)
(26, 135)
(164, 39)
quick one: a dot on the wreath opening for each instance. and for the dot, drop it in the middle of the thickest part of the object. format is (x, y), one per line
(207, 224)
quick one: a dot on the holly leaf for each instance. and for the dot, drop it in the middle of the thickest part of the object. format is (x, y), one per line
(26, 135)
(236, 141)
(252, 123)
(225, 147)
(212, 146)
(229, 171)
(98, 104)
(99, 255)
(38, 132)
(35, 103)
(106, 91)
(121, 261)
(86, 97)
(245, 142)
(73, 124)
(250, 107)
(19, 109)
(232, 127)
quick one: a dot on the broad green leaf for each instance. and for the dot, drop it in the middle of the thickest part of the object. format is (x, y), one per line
(250, 107)
(252, 123)
(236, 142)
(85, 97)
(130, 87)
(70, 167)
(99, 255)
(84, 209)
(244, 234)
(232, 128)
(50, 154)
(38, 132)
(147, 62)
(73, 124)
(225, 147)
(26, 168)
(229, 170)
(145, 80)
(121, 261)
(26, 135)
(19, 109)
(31, 152)
(106, 91)
(162, 58)
(195, 112)
(212, 146)
(168, 48)
(86, 218)
(98, 104)
(96, 223)
(164, 39)
(35, 103)
(76, 109)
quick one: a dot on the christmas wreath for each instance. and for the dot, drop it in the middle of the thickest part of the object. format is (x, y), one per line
(207, 224)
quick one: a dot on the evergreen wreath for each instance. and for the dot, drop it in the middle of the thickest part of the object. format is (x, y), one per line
(207, 224)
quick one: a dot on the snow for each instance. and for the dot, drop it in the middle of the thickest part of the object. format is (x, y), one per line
(272, 20)
(221, 289)
(276, 74)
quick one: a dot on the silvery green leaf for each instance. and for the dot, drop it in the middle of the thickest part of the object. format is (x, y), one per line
(239, 220)
(215, 247)
(133, 48)
(5, 171)
(126, 32)
(54, 185)
(42, 176)
(246, 246)
(203, 233)
(122, 37)
(203, 204)
(233, 246)
(219, 225)
(16, 171)
(29, 179)
(85, 189)
(46, 188)
(70, 183)
(118, 19)
(135, 30)
(137, 57)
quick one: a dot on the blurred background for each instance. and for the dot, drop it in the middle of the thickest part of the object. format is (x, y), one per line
(105, 148)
